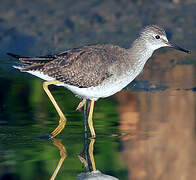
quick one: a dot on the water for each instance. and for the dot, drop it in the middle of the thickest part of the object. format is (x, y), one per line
(142, 133)
(145, 132)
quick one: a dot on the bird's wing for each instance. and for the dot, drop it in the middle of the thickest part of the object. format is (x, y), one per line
(82, 67)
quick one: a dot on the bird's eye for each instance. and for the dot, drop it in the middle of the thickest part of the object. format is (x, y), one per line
(157, 37)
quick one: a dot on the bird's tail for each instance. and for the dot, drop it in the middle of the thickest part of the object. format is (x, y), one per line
(31, 63)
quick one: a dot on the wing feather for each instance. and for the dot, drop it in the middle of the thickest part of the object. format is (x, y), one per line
(82, 67)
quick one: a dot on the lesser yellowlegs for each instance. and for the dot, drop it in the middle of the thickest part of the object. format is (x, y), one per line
(95, 71)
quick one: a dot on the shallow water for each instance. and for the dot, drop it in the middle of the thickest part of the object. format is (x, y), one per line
(145, 132)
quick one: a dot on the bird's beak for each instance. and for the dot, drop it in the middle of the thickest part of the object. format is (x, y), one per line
(178, 47)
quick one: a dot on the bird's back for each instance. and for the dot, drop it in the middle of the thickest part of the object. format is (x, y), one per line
(82, 67)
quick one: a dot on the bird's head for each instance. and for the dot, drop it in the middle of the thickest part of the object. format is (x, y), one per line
(155, 38)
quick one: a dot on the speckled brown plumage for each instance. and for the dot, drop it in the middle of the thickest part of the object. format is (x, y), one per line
(82, 67)
(99, 66)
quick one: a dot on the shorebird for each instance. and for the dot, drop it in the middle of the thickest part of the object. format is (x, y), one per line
(95, 71)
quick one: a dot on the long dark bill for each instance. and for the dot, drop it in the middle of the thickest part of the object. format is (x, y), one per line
(180, 49)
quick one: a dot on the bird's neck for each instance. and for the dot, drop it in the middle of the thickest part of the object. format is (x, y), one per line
(139, 53)
(141, 50)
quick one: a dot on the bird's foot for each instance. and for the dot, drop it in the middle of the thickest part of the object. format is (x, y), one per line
(81, 104)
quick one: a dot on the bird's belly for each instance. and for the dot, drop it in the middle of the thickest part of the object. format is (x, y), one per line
(105, 89)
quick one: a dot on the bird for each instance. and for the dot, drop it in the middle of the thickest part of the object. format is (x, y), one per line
(94, 71)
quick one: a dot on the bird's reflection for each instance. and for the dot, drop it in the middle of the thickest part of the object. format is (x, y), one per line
(63, 155)
(87, 159)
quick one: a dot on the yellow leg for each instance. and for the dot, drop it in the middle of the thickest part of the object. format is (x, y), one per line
(90, 150)
(84, 161)
(62, 120)
(63, 154)
(90, 119)
(81, 104)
